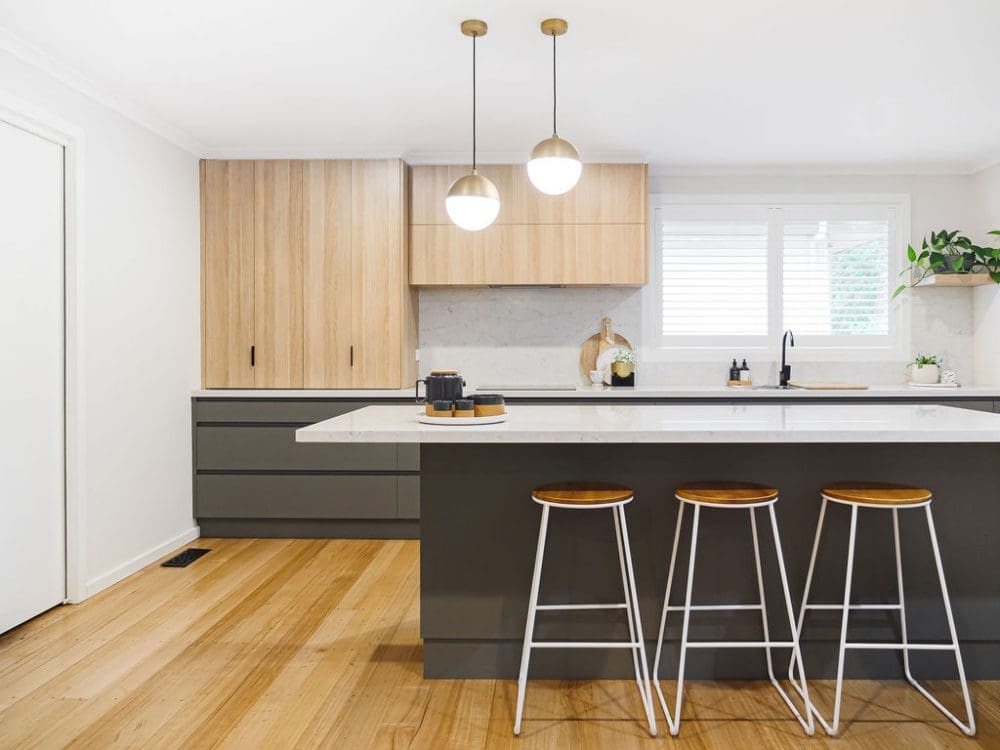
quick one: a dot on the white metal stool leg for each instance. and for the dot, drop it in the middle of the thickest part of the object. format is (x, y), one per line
(635, 634)
(628, 602)
(529, 628)
(663, 619)
(807, 723)
(805, 595)
(848, 579)
(970, 727)
(686, 623)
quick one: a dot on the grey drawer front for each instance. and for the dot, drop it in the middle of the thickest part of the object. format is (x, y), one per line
(408, 497)
(260, 410)
(274, 448)
(284, 496)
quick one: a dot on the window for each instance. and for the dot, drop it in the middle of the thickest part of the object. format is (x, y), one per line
(738, 274)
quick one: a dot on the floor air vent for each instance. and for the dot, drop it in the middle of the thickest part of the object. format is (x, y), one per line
(185, 558)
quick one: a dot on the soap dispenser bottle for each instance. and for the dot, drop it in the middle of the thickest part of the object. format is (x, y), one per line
(734, 372)
(745, 376)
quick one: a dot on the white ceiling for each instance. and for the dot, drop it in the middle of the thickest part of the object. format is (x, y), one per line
(873, 85)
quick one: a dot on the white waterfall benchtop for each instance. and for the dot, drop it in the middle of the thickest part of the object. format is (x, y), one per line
(678, 423)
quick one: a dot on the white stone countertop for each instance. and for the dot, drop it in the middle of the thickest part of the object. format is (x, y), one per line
(642, 392)
(677, 423)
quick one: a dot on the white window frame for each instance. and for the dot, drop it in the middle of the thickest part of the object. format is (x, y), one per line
(657, 348)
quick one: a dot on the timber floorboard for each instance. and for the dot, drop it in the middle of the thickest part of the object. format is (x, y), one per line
(276, 643)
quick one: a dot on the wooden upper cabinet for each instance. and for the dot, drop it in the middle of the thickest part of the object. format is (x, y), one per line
(227, 274)
(327, 275)
(279, 239)
(306, 262)
(379, 271)
(593, 235)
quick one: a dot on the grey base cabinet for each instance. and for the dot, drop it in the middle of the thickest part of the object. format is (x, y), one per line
(251, 479)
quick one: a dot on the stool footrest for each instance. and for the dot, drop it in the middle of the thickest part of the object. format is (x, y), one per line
(838, 607)
(584, 644)
(581, 606)
(903, 647)
(740, 644)
(716, 607)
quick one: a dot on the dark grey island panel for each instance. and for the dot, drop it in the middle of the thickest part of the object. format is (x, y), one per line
(479, 530)
(252, 479)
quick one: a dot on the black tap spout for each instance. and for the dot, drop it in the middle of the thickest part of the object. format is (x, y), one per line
(786, 370)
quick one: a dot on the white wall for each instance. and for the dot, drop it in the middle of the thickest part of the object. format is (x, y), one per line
(139, 307)
(533, 336)
(986, 299)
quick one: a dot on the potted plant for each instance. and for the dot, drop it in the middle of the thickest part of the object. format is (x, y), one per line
(623, 367)
(925, 369)
(949, 252)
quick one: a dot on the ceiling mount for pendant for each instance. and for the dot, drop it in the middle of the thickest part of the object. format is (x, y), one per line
(474, 27)
(554, 167)
(473, 202)
(554, 26)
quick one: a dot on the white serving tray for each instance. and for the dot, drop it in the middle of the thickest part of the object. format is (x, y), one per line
(934, 385)
(460, 421)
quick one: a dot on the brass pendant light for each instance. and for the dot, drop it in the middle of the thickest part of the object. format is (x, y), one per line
(554, 167)
(473, 202)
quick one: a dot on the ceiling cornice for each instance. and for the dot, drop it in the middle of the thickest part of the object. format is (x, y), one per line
(69, 76)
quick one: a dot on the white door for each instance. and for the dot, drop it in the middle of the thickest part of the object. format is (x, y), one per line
(32, 394)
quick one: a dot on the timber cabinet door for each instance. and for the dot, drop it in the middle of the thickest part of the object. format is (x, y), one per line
(327, 276)
(227, 274)
(279, 239)
(380, 295)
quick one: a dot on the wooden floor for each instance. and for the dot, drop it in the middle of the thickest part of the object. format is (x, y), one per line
(298, 644)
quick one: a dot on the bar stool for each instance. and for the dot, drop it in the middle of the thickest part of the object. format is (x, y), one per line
(587, 496)
(728, 496)
(879, 496)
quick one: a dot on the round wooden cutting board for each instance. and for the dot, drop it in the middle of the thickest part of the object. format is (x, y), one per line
(590, 350)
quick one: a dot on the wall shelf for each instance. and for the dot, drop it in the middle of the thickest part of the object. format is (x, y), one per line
(957, 279)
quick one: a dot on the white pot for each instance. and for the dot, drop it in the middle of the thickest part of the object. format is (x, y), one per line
(925, 374)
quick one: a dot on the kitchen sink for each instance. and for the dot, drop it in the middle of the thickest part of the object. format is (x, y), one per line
(775, 388)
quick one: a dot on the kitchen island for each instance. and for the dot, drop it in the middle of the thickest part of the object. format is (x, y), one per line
(478, 526)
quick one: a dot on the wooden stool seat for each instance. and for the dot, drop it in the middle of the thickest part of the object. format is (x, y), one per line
(726, 493)
(876, 493)
(582, 493)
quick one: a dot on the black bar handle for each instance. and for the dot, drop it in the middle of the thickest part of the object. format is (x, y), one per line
(352, 355)
(253, 356)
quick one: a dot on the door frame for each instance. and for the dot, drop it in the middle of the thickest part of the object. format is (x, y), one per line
(26, 116)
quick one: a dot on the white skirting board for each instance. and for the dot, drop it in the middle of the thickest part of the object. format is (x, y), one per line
(139, 562)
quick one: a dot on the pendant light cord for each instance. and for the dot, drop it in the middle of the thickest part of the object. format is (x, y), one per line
(554, 85)
(474, 102)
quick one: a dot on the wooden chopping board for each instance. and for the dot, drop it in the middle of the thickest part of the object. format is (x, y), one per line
(592, 347)
(829, 386)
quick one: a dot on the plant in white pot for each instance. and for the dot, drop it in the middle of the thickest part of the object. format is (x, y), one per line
(925, 369)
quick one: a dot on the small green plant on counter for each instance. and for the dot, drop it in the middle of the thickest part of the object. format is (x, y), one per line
(624, 362)
(925, 359)
(949, 252)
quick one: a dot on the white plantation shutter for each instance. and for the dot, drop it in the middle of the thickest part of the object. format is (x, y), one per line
(835, 274)
(740, 274)
(714, 276)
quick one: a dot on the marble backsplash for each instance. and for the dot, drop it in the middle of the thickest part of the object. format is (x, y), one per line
(533, 337)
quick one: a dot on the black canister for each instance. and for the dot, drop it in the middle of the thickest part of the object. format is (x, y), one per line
(440, 385)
